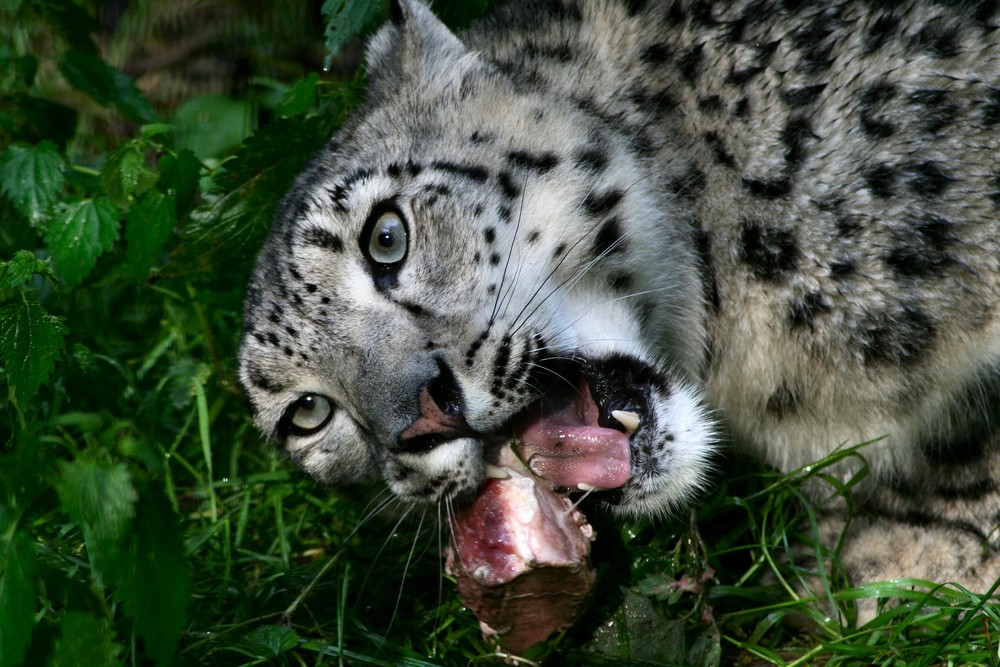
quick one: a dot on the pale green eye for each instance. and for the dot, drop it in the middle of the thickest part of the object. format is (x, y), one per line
(387, 243)
(310, 413)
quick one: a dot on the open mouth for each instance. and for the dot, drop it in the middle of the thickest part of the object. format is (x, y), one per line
(520, 549)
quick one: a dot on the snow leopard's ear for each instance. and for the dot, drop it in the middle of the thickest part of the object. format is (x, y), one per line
(413, 44)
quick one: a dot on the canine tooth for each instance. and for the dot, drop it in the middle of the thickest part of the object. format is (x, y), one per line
(583, 486)
(495, 472)
(629, 420)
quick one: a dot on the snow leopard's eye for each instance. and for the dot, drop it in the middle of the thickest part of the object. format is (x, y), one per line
(308, 414)
(385, 239)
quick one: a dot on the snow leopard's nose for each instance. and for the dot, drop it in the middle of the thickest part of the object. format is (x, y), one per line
(441, 416)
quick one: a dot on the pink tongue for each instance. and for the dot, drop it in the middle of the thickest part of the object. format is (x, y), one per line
(569, 449)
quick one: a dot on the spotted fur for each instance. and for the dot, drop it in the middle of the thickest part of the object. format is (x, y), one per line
(777, 217)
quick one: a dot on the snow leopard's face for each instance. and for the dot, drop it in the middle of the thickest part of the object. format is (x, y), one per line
(466, 264)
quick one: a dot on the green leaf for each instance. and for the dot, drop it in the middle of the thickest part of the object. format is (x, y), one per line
(155, 583)
(179, 176)
(255, 180)
(345, 19)
(268, 641)
(211, 126)
(32, 176)
(100, 497)
(87, 72)
(78, 234)
(17, 598)
(150, 224)
(30, 342)
(19, 269)
(125, 174)
(300, 98)
(84, 640)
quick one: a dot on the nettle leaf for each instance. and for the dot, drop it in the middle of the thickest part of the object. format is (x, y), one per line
(179, 176)
(79, 233)
(155, 583)
(345, 19)
(300, 98)
(89, 73)
(84, 640)
(19, 269)
(234, 226)
(32, 177)
(17, 598)
(125, 174)
(30, 343)
(150, 223)
(101, 498)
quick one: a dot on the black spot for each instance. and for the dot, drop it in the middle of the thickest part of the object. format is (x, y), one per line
(322, 238)
(936, 109)
(481, 137)
(508, 187)
(929, 179)
(500, 364)
(701, 15)
(264, 382)
(711, 104)
(600, 204)
(676, 14)
(273, 339)
(689, 62)
(883, 29)
(287, 351)
(842, 268)
(562, 53)
(802, 96)
(472, 172)
(703, 246)
(795, 137)
(609, 238)
(495, 258)
(591, 159)
(769, 252)
(923, 251)
(991, 107)
(489, 234)
(995, 184)
(655, 54)
(394, 169)
(504, 213)
(896, 339)
(413, 308)
(771, 189)
(881, 179)
(533, 237)
(339, 193)
(719, 150)
(540, 162)
(783, 402)
(872, 100)
(620, 282)
(804, 311)
(560, 249)
(690, 185)
(635, 7)
(937, 40)
(741, 77)
(742, 109)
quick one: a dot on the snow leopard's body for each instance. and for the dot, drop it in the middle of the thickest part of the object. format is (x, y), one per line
(777, 216)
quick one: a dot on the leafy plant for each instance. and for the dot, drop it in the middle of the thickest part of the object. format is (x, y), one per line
(142, 520)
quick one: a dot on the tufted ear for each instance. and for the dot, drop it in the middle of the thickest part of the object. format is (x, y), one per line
(414, 44)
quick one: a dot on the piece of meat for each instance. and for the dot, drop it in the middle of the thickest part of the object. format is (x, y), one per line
(521, 557)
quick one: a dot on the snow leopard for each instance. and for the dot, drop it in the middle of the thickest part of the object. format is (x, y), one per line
(649, 233)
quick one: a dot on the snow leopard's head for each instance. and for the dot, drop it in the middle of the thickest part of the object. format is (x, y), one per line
(472, 260)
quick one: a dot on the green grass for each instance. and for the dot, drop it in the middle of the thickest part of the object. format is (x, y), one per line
(142, 519)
